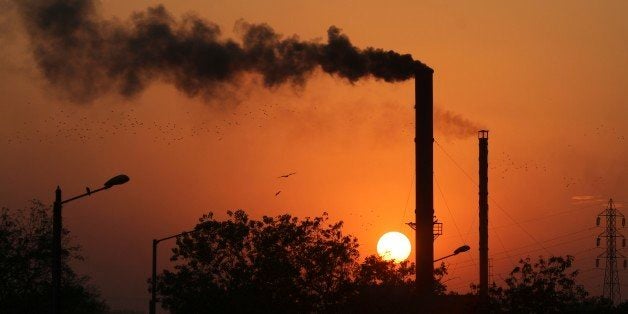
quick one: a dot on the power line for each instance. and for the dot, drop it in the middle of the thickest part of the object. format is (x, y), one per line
(548, 216)
(464, 172)
(452, 217)
(507, 252)
(449, 210)
(503, 247)
(553, 245)
(535, 219)
(455, 163)
(548, 240)
(520, 226)
(453, 268)
(534, 250)
(586, 250)
(408, 199)
(493, 200)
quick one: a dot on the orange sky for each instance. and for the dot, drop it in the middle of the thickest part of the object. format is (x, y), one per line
(548, 80)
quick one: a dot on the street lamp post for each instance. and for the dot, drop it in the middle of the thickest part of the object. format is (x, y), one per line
(153, 282)
(153, 292)
(152, 305)
(457, 251)
(57, 228)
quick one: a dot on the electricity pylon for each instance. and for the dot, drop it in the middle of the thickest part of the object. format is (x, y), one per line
(611, 289)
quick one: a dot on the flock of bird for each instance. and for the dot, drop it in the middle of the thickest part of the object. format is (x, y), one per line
(504, 165)
(78, 127)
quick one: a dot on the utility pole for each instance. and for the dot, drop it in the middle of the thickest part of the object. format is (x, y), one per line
(611, 289)
(152, 303)
(57, 232)
(153, 281)
(56, 251)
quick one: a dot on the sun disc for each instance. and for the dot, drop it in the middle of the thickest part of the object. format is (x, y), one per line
(394, 246)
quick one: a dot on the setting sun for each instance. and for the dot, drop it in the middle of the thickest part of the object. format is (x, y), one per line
(394, 246)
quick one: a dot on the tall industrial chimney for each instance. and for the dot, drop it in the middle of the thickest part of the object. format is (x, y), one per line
(483, 206)
(424, 138)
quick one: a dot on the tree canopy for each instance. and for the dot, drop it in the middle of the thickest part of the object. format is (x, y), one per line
(275, 264)
(25, 266)
(546, 286)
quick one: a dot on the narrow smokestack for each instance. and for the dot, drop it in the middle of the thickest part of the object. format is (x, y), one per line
(424, 138)
(483, 206)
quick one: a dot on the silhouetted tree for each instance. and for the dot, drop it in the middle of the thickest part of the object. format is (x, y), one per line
(277, 264)
(25, 266)
(546, 286)
(388, 287)
(377, 272)
(622, 307)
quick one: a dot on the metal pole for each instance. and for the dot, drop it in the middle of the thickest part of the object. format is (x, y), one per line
(56, 252)
(152, 304)
(57, 229)
(153, 283)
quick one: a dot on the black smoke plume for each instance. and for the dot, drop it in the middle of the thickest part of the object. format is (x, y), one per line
(451, 124)
(85, 56)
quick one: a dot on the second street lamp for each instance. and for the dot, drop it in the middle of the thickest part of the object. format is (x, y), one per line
(57, 228)
(152, 304)
(153, 282)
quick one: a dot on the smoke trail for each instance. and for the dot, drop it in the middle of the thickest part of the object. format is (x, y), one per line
(86, 56)
(455, 125)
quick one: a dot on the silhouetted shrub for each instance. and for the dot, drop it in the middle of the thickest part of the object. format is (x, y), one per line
(25, 266)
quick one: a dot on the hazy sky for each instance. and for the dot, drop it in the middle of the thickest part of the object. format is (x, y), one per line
(547, 78)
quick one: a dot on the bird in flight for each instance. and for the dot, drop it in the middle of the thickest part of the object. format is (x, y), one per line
(287, 175)
(277, 193)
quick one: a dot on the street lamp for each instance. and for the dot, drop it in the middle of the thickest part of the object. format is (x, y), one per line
(56, 234)
(153, 281)
(153, 284)
(457, 251)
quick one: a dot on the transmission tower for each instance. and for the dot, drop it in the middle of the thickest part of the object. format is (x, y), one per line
(611, 289)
